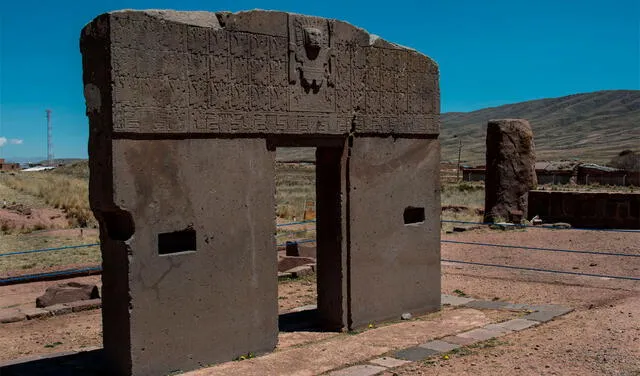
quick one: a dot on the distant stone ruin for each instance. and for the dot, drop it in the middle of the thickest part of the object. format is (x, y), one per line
(186, 110)
(511, 170)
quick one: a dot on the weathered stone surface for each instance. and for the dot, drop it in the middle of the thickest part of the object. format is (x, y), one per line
(66, 293)
(288, 262)
(587, 209)
(300, 271)
(482, 334)
(415, 354)
(440, 346)
(260, 72)
(59, 309)
(85, 305)
(486, 304)
(359, 370)
(35, 313)
(307, 250)
(543, 316)
(389, 362)
(510, 168)
(396, 246)
(462, 341)
(186, 110)
(11, 315)
(515, 324)
(455, 300)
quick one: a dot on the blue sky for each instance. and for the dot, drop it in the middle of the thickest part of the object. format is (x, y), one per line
(489, 52)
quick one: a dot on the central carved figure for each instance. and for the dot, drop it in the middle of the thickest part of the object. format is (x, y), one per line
(311, 54)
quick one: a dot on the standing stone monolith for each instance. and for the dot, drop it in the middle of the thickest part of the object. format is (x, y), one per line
(511, 169)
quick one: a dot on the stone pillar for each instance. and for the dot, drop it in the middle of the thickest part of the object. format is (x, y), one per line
(511, 171)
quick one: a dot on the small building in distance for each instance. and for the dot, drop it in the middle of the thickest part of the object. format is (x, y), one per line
(4, 166)
(473, 173)
(591, 173)
(563, 172)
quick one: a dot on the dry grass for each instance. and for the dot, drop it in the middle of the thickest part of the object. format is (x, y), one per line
(21, 264)
(295, 185)
(60, 191)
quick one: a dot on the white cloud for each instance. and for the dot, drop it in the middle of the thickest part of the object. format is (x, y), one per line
(13, 141)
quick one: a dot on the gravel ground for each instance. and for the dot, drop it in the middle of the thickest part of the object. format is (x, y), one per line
(601, 337)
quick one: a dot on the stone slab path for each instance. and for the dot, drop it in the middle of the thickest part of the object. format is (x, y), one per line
(375, 351)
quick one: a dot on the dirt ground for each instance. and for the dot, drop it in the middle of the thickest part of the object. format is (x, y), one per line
(601, 337)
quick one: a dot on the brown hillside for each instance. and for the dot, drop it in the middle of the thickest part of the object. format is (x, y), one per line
(591, 126)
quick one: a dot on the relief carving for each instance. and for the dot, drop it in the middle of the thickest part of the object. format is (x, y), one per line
(311, 64)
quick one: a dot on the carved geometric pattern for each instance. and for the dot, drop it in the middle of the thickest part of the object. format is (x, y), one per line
(173, 77)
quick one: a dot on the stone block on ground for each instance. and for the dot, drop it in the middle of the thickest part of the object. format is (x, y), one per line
(389, 362)
(84, 305)
(300, 271)
(289, 262)
(35, 313)
(66, 293)
(59, 309)
(11, 315)
(360, 370)
(307, 250)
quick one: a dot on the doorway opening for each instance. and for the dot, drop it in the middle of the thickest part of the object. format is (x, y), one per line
(309, 237)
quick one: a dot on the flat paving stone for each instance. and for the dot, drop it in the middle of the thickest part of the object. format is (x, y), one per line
(454, 300)
(498, 328)
(462, 341)
(440, 346)
(518, 324)
(360, 370)
(515, 307)
(487, 304)
(389, 362)
(481, 334)
(542, 316)
(415, 353)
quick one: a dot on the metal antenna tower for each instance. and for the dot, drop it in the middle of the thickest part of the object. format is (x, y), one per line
(49, 139)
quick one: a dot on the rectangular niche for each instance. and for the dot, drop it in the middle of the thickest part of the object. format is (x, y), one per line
(170, 243)
(413, 215)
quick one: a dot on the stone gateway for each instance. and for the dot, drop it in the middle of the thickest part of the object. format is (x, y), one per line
(186, 110)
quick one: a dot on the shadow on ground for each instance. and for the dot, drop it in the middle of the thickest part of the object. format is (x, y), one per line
(91, 363)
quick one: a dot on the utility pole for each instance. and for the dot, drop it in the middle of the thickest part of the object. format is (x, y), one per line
(49, 139)
(459, 153)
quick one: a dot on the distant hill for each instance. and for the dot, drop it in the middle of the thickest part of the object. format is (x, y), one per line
(591, 126)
